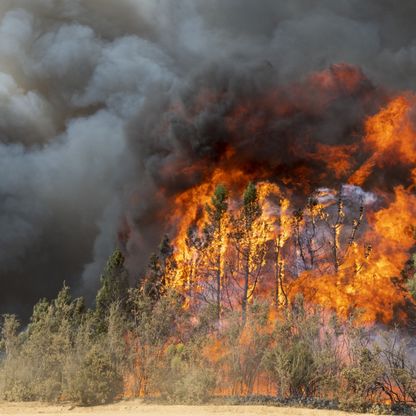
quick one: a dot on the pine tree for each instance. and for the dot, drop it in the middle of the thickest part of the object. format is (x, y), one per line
(114, 286)
(214, 234)
(167, 261)
(160, 270)
(153, 283)
(249, 238)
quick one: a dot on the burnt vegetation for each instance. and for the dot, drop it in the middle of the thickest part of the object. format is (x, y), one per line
(222, 313)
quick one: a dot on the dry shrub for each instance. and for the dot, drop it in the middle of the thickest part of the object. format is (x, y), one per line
(381, 370)
(245, 346)
(184, 376)
(61, 356)
(304, 359)
(154, 323)
(95, 380)
(96, 365)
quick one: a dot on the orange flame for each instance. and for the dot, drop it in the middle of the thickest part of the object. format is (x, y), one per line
(368, 278)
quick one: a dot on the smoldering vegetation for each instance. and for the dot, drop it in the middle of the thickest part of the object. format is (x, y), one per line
(86, 88)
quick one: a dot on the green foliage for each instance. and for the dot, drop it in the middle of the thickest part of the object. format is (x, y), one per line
(251, 205)
(219, 204)
(153, 323)
(97, 381)
(9, 334)
(304, 360)
(60, 356)
(94, 372)
(362, 379)
(114, 285)
(160, 268)
(153, 283)
(35, 359)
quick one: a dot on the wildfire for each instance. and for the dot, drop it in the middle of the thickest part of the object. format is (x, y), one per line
(339, 245)
(390, 137)
(293, 215)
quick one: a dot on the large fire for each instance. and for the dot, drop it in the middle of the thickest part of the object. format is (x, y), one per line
(343, 246)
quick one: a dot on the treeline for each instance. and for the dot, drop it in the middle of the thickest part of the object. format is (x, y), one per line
(141, 346)
(159, 340)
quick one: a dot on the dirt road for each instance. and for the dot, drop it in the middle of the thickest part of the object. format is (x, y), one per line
(137, 408)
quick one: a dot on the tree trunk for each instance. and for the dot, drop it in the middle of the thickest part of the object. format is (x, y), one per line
(218, 284)
(244, 300)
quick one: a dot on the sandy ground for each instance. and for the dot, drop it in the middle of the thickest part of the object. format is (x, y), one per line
(136, 407)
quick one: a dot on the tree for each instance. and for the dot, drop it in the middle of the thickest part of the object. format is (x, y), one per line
(114, 286)
(160, 271)
(249, 238)
(153, 323)
(281, 235)
(324, 235)
(214, 233)
(9, 335)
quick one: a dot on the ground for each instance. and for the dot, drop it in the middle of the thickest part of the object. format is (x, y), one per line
(137, 408)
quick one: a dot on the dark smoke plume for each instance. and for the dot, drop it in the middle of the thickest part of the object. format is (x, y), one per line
(100, 109)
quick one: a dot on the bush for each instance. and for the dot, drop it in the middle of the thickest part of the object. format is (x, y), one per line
(183, 377)
(96, 365)
(304, 360)
(380, 370)
(361, 381)
(245, 346)
(35, 358)
(96, 380)
(154, 323)
(62, 356)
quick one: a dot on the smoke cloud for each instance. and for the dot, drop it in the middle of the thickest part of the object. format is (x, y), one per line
(100, 107)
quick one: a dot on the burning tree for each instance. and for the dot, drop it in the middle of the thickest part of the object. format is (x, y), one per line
(248, 240)
(212, 246)
(235, 249)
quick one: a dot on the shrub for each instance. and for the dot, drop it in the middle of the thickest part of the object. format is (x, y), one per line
(183, 377)
(96, 380)
(380, 370)
(304, 360)
(245, 346)
(154, 323)
(96, 365)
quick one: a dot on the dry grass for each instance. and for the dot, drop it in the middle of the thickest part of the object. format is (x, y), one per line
(137, 408)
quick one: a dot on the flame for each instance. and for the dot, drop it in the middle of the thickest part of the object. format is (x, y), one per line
(390, 136)
(339, 245)
(364, 275)
(363, 281)
(310, 237)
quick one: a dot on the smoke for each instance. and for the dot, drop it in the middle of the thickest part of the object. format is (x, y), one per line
(100, 108)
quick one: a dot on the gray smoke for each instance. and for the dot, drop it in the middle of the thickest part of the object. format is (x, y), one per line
(86, 88)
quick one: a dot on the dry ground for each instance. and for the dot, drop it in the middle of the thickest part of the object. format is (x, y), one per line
(137, 408)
